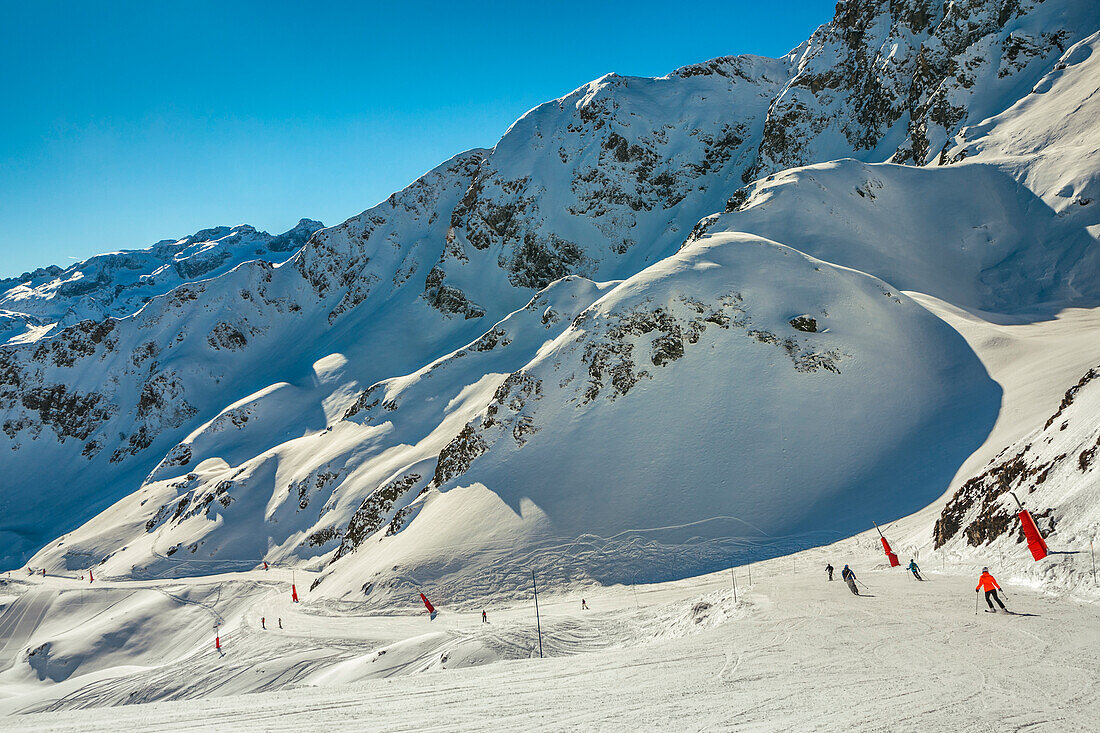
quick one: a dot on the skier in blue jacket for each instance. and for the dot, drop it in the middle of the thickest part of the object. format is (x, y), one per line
(849, 578)
(914, 569)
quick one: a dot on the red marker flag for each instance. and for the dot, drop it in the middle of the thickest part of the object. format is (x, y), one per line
(894, 562)
(427, 604)
(886, 547)
(1035, 541)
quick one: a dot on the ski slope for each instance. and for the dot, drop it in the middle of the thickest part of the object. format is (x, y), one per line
(793, 652)
(833, 344)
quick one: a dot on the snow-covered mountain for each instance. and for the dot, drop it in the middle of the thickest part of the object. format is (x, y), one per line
(118, 284)
(630, 337)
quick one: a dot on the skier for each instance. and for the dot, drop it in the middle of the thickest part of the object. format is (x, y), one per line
(849, 578)
(584, 606)
(265, 564)
(263, 623)
(484, 618)
(914, 569)
(280, 624)
(829, 570)
(987, 583)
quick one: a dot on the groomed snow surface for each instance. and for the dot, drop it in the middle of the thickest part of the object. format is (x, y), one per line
(793, 652)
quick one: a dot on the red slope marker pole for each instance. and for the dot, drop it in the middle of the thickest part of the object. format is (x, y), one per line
(1035, 541)
(428, 605)
(893, 558)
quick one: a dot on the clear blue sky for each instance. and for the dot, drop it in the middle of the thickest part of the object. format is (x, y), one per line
(123, 123)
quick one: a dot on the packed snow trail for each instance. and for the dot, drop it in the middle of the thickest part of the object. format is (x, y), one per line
(796, 652)
(19, 621)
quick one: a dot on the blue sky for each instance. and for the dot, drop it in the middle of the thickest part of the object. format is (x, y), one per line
(128, 122)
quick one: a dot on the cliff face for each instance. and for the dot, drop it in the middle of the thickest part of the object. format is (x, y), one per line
(897, 79)
(297, 408)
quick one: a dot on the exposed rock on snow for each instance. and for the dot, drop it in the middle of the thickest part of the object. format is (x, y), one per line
(1052, 471)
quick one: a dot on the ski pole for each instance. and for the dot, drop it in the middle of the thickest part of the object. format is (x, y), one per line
(977, 601)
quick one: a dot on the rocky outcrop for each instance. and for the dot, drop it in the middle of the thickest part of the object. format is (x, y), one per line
(899, 78)
(447, 299)
(373, 512)
(455, 459)
(982, 509)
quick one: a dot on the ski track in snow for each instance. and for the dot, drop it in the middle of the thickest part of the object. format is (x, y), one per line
(20, 621)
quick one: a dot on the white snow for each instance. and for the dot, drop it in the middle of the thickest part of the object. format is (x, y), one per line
(794, 652)
(391, 412)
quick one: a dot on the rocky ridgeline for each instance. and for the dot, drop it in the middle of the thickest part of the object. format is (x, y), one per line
(897, 79)
(1041, 470)
(119, 283)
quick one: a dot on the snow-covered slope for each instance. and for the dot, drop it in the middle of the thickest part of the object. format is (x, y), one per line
(734, 396)
(605, 352)
(560, 338)
(689, 653)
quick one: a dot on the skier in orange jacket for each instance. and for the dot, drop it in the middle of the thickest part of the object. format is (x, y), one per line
(989, 585)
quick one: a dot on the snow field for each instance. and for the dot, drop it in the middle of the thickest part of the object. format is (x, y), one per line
(795, 652)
